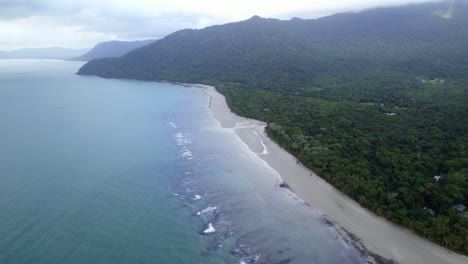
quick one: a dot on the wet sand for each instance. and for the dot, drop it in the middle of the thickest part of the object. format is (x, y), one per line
(376, 233)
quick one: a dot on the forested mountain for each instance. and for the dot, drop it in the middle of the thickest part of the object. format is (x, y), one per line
(112, 49)
(375, 102)
(41, 53)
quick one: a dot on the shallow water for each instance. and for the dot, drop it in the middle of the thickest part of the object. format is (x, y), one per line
(114, 171)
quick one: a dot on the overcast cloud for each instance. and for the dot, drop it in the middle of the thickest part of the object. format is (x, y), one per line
(82, 24)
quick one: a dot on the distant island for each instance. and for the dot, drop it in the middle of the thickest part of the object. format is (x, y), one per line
(56, 53)
(112, 49)
(374, 102)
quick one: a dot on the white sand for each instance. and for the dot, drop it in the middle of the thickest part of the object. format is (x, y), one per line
(378, 235)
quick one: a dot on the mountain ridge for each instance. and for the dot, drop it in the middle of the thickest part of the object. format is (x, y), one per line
(112, 49)
(328, 39)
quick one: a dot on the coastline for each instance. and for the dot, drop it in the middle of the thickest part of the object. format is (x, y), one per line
(375, 233)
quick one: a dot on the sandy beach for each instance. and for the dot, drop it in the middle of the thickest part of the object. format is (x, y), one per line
(376, 234)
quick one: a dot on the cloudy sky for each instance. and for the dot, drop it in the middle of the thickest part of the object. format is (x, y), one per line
(83, 23)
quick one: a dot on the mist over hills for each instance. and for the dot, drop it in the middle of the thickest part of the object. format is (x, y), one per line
(111, 49)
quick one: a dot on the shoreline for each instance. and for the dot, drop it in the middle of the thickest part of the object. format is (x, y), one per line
(378, 236)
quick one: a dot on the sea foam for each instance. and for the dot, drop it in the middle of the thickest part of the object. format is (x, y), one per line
(171, 124)
(185, 153)
(210, 229)
(207, 210)
(181, 139)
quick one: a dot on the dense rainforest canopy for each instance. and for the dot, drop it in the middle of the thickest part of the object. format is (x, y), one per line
(374, 102)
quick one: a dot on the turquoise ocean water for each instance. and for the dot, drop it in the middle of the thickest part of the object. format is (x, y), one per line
(115, 171)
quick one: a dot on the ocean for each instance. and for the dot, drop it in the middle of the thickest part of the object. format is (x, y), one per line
(116, 171)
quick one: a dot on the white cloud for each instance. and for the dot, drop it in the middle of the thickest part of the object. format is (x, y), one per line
(34, 32)
(241, 9)
(81, 24)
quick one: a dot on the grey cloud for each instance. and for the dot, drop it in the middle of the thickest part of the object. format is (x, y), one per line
(22, 3)
(12, 9)
(149, 26)
(350, 6)
(136, 26)
(101, 17)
